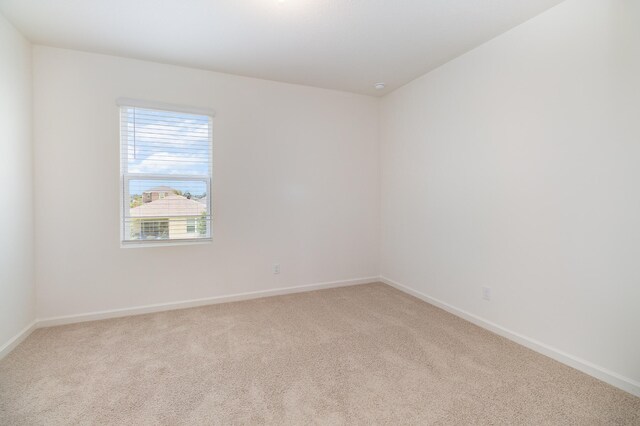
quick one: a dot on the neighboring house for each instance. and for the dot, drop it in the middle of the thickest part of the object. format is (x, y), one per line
(170, 217)
(157, 193)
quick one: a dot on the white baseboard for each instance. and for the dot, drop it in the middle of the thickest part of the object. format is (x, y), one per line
(17, 339)
(138, 310)
(587, 367)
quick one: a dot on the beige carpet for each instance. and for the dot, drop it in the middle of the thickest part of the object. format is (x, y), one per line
(366, 354)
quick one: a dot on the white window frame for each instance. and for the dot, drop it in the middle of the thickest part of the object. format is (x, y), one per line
(126, 177)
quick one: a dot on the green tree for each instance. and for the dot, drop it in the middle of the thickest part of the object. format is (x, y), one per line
(202, 224)
(136, 200)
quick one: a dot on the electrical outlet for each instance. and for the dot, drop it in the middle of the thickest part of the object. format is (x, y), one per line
(276, 268)
(486, 293)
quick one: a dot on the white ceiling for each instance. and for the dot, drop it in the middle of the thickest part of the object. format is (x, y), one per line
(336, 44)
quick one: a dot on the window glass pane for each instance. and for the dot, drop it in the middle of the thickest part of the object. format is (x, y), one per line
(166, 209)
(166, 171)
(164, 142)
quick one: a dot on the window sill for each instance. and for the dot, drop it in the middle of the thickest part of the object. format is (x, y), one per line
(164, 243)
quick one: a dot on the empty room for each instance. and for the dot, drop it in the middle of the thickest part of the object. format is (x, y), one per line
(335, 212)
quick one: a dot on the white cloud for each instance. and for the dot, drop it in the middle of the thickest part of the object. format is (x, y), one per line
(175, 163)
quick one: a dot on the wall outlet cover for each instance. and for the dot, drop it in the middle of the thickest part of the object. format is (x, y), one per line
(486, 293)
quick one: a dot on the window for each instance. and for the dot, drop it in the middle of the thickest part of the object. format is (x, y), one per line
(154, 229)
(191, 225)
(166, 170)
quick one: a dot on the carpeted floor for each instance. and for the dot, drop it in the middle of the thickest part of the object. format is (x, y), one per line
(366, 354)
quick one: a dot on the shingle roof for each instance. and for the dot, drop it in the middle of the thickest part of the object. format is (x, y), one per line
(171, 205)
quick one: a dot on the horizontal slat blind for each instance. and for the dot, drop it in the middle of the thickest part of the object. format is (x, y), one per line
(166, 175)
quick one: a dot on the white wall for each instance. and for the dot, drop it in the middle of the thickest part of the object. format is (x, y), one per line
(514, 167)
(517, 166)
(17, 292)
(295, 183)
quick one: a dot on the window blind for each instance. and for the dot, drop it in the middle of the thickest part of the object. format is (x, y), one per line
(166, 168)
